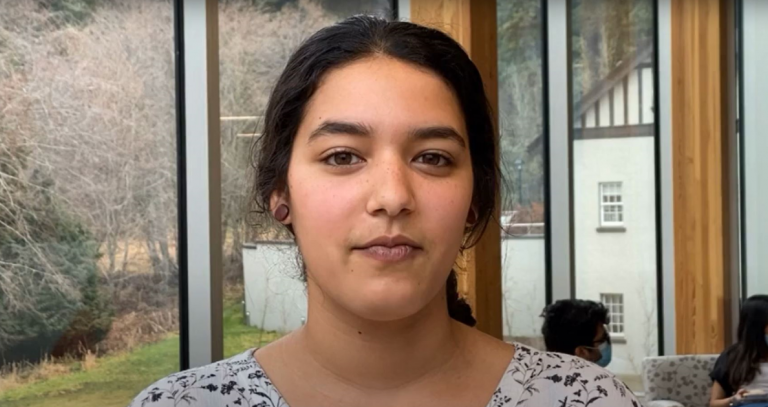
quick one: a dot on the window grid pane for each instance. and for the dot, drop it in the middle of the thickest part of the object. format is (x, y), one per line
(615, 305)
(611, 204)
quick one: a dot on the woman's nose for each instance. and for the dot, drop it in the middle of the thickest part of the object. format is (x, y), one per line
(391, 191)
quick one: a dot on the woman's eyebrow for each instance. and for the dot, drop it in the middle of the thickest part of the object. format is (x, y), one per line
(439, 132)
(329, 128)
(332, 127)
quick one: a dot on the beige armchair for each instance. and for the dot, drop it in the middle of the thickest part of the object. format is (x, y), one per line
(678, 381)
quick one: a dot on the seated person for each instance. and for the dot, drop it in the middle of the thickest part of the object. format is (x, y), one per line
(577, 327)
(741, 372)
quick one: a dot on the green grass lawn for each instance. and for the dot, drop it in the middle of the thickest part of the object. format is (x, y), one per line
(117, 379)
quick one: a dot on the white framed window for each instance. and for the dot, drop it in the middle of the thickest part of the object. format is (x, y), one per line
(615, 305)
(611, 204)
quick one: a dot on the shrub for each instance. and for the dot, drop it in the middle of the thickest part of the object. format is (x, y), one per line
(50, 301)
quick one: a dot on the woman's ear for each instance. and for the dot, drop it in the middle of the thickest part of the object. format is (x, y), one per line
(472, 217)
(278, 205)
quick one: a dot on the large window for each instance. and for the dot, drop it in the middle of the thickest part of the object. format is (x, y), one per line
(88, 271)
(520, 47)
(754, 86)
(264, 296)
(613, 149)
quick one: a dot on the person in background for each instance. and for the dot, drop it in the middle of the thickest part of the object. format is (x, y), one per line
(578, 327)
(742, 370)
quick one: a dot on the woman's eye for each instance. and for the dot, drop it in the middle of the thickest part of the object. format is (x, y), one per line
(435, 159)
(342, 158)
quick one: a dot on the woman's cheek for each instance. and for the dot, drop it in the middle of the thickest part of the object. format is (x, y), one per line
(326, 204)
(448, 204)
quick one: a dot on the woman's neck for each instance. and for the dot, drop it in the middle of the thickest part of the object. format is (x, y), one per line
(378, 355)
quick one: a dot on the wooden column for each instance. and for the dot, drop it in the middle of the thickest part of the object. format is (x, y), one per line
(473, 24)
(702, 124)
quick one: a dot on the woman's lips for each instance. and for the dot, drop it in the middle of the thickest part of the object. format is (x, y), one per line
(389, 254)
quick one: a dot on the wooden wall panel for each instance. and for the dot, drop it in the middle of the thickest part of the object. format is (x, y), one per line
(701, 118)
(473, 25)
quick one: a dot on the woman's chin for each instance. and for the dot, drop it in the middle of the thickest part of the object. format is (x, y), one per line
(389, 305)
(379, 313)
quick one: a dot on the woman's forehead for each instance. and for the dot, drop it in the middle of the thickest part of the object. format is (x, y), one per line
(384, 94)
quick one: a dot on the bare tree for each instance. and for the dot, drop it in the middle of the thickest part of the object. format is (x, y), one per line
(26, 267)
(254, 46)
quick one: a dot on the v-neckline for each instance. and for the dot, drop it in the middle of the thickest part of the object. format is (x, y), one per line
(513, 360)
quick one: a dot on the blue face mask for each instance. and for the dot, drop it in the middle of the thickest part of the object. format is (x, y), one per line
(606, 350)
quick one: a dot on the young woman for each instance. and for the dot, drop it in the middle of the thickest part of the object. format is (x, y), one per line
(742, 370)
(379, 155)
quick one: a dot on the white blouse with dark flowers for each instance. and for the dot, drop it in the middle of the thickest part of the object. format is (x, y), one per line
(533, 379)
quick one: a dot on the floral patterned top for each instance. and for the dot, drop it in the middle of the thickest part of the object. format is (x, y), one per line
(533, 379)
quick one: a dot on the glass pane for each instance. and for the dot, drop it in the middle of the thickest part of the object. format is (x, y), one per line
(264, 295)
(613, 143)
(522, 163)
(88, 270)
(755, 145)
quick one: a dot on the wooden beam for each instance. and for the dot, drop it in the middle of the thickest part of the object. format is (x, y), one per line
(702, 118)
(449, 16)
(473, 25)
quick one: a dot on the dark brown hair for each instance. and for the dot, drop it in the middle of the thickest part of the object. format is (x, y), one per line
(751, 349)
(569, 324)
(363, 36)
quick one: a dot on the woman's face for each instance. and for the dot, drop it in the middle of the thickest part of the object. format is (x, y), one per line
(380, 187)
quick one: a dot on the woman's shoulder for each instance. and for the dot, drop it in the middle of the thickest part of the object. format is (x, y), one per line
(237, 381)
(537, 378)
(728, 352)
(720, 370)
